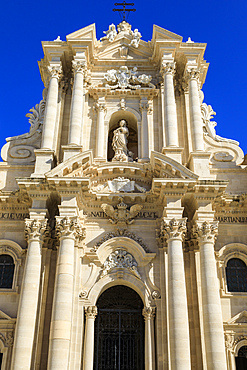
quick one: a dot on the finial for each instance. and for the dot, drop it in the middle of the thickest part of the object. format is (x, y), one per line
(124, 10)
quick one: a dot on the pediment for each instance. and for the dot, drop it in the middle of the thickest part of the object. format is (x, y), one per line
(166, 167)
(4, 316)
(88, 33)
(161, 34)
(240, 318)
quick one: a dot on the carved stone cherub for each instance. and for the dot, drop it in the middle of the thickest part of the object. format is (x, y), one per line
(110, 34)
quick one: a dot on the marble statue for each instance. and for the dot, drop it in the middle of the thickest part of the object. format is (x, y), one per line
(119, 143)
(110, 34)
(136, 36)
(127, 78)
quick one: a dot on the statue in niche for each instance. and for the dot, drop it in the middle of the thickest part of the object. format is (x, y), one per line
(119, 143)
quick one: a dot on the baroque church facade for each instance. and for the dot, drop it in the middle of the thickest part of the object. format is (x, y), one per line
(123, 239)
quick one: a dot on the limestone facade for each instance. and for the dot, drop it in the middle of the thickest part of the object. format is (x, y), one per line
(123, 181)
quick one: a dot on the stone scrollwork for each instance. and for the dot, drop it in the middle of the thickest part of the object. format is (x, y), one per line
(121, 216)
(120, 259)
(125, 78)
(20, 149)
(91, 312)
(173, 228)
(69, 227)
(36, 229)
(205, 231)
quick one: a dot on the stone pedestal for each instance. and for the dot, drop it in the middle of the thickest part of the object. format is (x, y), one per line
(199, 163)
(44, 162)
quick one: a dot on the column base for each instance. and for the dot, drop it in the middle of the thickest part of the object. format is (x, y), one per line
(99, 160)
(44, 162)
(70, 150)
(174, 153)
(199, 163)
(143, 160)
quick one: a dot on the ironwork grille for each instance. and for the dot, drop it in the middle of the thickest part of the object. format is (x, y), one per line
(119, 331)
(236, 275)
(7, 267)
(241, 360)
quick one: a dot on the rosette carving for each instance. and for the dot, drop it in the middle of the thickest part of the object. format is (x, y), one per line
(173, 228)
(91, 312)
(205, 231)
(36, 229)
(69, 227)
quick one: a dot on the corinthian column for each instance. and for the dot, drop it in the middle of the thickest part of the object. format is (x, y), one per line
(211, 307)
(144, 130)
(192, 77)
(76, 113)
(173, 231)
(68, 230)
(36, 231)
(171, 125)
(91, 313)
(55, 74)
(149, 313)
(100, 137)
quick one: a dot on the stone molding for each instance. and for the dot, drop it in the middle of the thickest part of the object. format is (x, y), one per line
(36, 230)
(91, 312)
(173, 228)
(205, 231)
(148, 313)
(69, 227)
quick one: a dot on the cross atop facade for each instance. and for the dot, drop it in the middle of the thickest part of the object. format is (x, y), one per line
(124, 10)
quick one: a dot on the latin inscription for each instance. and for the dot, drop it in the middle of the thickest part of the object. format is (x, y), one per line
(231, 219)
(13, 216)
(142, 214)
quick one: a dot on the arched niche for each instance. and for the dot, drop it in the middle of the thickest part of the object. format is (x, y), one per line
(132, 125)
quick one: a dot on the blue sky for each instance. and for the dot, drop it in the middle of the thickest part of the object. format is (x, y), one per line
(220, 24)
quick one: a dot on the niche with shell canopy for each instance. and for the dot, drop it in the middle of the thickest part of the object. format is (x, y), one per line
(132, 125)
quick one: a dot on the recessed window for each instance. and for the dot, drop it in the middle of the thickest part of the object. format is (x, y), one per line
(236, 275)
(7, 268)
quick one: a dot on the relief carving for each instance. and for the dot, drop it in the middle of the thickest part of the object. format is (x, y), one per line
(121, 216)
(125, 78)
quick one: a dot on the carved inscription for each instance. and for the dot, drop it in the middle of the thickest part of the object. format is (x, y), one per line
(232, 219)
(13, 216)
(142, 214)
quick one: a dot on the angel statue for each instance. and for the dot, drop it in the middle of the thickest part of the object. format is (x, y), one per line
(121, 216)
(119, 143)
(110, 34)
(136, 38)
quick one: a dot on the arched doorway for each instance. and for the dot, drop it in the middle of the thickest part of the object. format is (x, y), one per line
(241, 360)
(119, 330)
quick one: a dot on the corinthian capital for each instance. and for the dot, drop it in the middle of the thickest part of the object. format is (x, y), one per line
(205, 231)
(79, 66)
(168, 68)
(55, 71)
(144, 107)
(69, 227)
(148, 313)
(100, 107)
(173, 228)
(36, 229)
(192, 74)
(91, 312)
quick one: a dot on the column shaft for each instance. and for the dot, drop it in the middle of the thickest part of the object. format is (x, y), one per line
(51, 109)
(100, 144)
(76, 115)
(148, 313)
(195, 111)
(27, 313)
(91, 313)
(144, 132)
(170, 106)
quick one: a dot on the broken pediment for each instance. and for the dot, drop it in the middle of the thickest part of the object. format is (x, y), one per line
(161, 34)
(240, 318)
(88, 32)
(4, 316)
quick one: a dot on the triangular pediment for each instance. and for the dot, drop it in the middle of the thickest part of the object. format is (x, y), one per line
(4, 316)
(240, 318)
(88, 33)
(160, 34)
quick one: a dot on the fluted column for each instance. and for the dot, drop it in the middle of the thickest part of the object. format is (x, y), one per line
(173, 231)
(100, 137)
(144, 106)
(170, 112)
(36, 231)
(211, 307)
(192, 77)
(55, 74)
(149, 313)
(91, 313)
(68, 230)
(76, 113)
